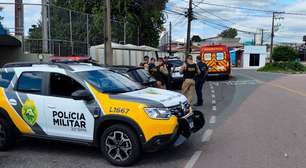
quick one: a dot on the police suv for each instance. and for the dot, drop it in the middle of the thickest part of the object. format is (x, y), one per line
(92, 105)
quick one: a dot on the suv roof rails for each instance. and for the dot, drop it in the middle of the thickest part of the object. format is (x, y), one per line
(29, 64)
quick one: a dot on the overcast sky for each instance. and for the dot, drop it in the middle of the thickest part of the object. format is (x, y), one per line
(292, 27)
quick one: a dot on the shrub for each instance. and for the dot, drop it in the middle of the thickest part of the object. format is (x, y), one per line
(284, 67)
(284, 53)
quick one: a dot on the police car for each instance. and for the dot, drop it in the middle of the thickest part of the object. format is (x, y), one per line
(91, 105)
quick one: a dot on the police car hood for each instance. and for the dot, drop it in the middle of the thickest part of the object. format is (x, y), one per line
(164, 97)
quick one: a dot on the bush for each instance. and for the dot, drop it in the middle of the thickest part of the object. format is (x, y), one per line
(284, 53)
(283, 67)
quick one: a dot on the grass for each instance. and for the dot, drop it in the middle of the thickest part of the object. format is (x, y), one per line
(284, 67)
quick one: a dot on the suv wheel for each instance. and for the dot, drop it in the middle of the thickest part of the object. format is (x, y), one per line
(120, 145)
(7, 135)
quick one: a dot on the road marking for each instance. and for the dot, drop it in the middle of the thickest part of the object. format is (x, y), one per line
(213, 96)
(207, 135)
(212, 91)
(213, 102)
(211, 87)
(212, 120)
(193, 159)
(278, 86)
(288, 89)
(214, 108)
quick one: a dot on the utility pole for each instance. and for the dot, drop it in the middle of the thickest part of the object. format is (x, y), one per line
(19, 28)
(45, 25)
(108, 53)
(125, 23)
(170, 39)
(190, 18)
(254, 39)
(272, 37)
(262, 37)
(273, 33)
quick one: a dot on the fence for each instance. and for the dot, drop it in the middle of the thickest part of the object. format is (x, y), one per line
(56, 30)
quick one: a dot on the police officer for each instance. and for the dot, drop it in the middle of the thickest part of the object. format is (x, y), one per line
(189, 70)
(160, 73)
(200, 80)
(145, 62)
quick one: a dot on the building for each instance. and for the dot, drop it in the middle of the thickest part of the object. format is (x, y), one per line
(229, 42)
(254, 57)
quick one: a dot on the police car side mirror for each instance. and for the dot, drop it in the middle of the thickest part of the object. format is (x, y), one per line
(82, 95)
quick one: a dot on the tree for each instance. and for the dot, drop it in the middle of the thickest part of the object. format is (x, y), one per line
(229, 33)
(196, 38)
(35, 32)
(1, 18)
(284, 53)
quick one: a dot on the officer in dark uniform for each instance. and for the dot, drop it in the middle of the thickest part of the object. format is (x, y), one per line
(200, 80)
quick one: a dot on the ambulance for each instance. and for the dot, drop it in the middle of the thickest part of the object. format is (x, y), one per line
(218, 60)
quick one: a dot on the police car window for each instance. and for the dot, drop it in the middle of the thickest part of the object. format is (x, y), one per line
(63, 86)
(6, 78)
(30, 82)
(109, 81)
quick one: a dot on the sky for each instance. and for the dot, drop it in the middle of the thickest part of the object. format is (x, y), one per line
(210, 19)
(208, 22)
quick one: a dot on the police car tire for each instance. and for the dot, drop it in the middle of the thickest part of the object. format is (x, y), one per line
(135, 152)
(8, 135)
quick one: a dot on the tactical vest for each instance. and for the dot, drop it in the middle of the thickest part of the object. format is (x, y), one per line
(190, 71)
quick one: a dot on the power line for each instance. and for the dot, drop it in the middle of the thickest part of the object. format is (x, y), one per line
(237, 7)
(254, 9)
(226, 26)
(227, 20)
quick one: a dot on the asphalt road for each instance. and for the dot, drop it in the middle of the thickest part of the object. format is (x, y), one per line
(253, 120)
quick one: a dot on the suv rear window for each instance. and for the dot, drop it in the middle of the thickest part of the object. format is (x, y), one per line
(6, 78)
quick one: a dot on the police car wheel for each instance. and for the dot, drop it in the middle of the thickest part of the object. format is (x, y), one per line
(7, 135)
(120, 145)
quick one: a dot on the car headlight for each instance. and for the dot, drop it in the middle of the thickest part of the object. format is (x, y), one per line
(158, 113)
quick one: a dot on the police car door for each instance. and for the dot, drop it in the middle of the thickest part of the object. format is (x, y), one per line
(27, 100)
(66, 117)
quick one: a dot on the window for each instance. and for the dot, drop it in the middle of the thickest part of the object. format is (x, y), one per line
(110, 82)
(30, 82)
(220, 56)
(63, 86)
(254, 59)
(207, 56)
(6, 78)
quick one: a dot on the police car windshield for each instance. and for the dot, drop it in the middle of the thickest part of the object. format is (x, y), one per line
(109, 81)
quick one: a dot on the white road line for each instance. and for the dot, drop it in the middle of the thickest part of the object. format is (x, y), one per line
(193, 159)
(213, 102)
(214, 108)
(212, 91)
(207, 135)
(213, 96)
(211, 87)
(212, 120)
